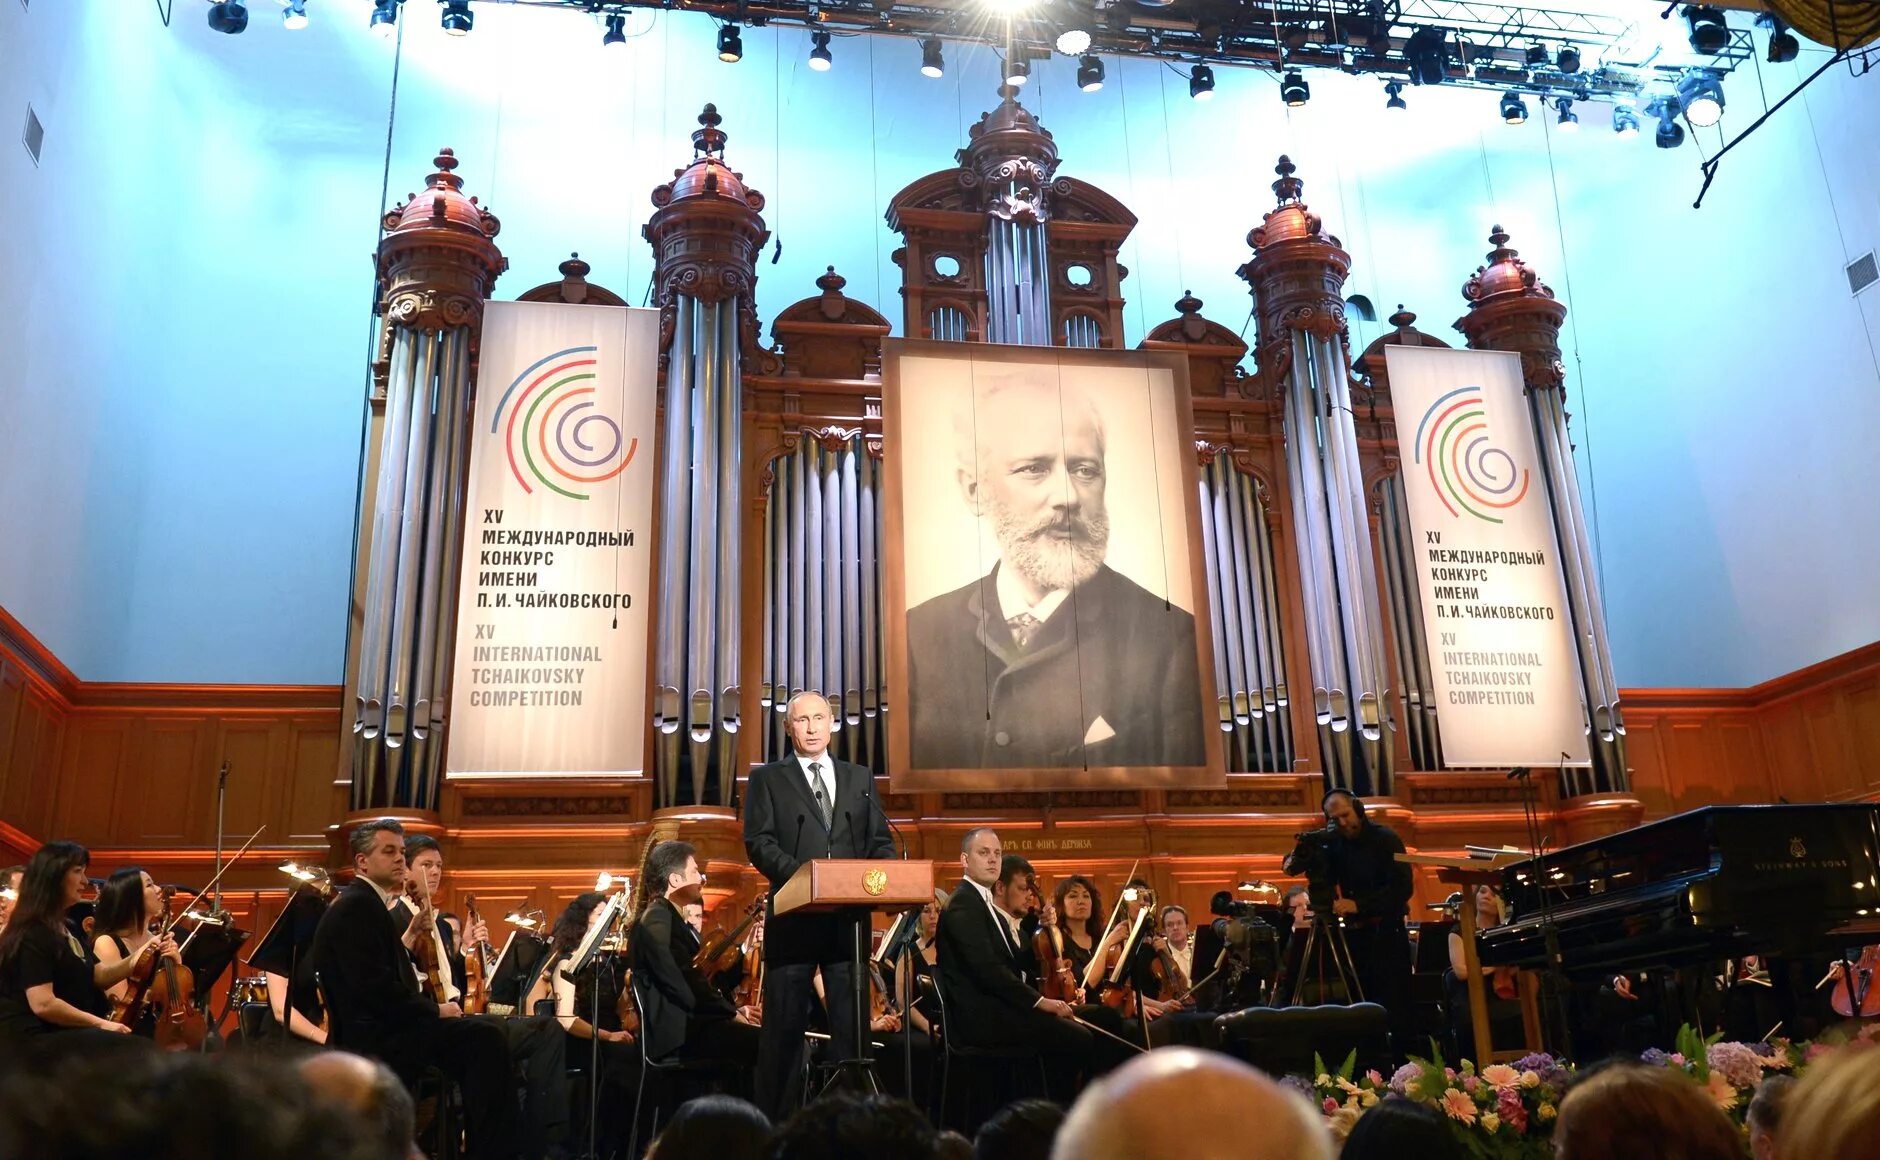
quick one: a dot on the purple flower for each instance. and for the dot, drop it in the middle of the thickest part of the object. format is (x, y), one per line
(1299, 1083)
(1655, 1057)
(1736, 1063)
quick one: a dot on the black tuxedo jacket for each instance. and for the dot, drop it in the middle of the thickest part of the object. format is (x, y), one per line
(366, 974)
(987, 980)
(783, 829)
(671, 992)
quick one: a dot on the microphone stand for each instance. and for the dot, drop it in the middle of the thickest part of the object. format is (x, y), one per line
(1552, 975)
(212, 1028)
(905, 952)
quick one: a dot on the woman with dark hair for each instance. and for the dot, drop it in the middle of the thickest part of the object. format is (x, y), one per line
(130, 901)
(1400, 1127)
(718, 1126)
(48, 980)
(1080, 913)
(575, 1005)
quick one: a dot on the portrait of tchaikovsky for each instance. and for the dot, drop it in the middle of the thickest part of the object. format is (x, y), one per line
(1051, 658)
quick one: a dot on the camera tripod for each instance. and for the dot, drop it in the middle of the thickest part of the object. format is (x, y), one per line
(1332, 932)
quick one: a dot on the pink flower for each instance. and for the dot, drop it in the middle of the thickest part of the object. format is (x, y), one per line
(1374, 1077)
(1500, 1075)
(1458, 1106)
(1330, 1105)
(1738, 1064)
(1471, 1084)
(1513, 1111)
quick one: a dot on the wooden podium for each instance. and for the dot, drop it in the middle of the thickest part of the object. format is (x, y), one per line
(1469, 873)
(856, 884)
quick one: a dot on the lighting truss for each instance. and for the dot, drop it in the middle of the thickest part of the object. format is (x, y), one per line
(1486, 43)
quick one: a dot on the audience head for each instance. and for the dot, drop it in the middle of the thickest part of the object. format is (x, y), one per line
(850, 1127)
(1021, 1130)
(1609, 1110)
(1765, 1115)
(373, 1093)
(129, 899)
(1212, 1097)
(186, 1104)
(981, 855)
(1834, 1110)
(716, 1127)
(950, 1145)
(1399, 1127)
(49, 884)
(378, 852)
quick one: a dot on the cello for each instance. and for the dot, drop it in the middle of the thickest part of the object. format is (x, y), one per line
(1853, 994)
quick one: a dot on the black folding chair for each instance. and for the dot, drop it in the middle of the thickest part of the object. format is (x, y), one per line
(671, 1067)
(952, 1048)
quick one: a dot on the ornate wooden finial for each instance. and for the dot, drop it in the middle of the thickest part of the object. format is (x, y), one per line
(1403, 319)
(1288, 187)
(574, 267)
(831, 282)
(1187, 304)
(709, 141)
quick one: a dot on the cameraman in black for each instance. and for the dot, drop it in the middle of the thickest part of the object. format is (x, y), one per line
(1365, 886)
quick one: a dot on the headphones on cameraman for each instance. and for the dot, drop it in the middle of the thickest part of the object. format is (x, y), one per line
(1357, 803)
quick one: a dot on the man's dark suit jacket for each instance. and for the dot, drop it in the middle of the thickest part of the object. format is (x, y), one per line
(673, 993)
(983, 979)
(783, 829)
(365, 972)
(1112, 653)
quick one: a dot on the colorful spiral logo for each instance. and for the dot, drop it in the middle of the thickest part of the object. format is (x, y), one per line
(555, 430)
(1464, 467)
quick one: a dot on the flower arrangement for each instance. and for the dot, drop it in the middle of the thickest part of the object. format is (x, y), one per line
(1507, 1111)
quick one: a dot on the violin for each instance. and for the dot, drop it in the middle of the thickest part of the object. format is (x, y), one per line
(1057, 979)
(429, 969)
(750, 989)
(1175, 980)
(129, 1009)
(181, 1025)
(883, 1014)
(1853, 993)
(724, 951)
(479, 959)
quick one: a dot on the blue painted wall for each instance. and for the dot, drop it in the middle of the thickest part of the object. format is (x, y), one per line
(185, 284)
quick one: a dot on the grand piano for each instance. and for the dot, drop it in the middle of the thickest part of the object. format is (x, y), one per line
(1711, 884)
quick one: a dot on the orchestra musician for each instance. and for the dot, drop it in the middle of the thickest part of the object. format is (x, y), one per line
(128, 905)
(806, 806)
(9, 889)
(1504, 1008)
(987, 977)
(1298, 905)
(683, 1015)
(537, 1047)
(575, 1004)
(1369, 890)
(49, 980)
(285, 960)
(376, 1007)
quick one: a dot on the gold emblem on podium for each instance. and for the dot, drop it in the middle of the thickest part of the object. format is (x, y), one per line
(874, 882)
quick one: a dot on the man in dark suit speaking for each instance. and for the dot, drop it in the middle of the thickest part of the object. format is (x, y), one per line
(806, 806)
(1051, 659)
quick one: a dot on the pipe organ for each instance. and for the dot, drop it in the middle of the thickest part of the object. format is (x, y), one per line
(437, 264)
(769, 526)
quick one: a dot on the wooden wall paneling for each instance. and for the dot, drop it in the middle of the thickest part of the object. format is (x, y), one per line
(314, 800)
(1830, 746)
(255, 751)
(1644, 750)
(160, 792)
(1862, 717)
(86, 798)
(15, 788)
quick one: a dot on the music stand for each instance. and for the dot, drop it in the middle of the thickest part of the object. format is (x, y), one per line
(1469, 873)
(824, 885)
(514, 967)
(585, 956)
(281, 950)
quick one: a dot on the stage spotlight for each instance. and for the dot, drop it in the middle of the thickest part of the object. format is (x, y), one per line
(1709, 34)
(1536, 55)
(616, 30)
(1090, 74)
(1782, 43)
(1568, 59)
(1427, 55)
(1294, 90)
(458, 19)
(230, 16)
(819, 58)
(385, 18)
(1670, 133)
(932, 64)
(1701, 95)
(293, 15)
(1567, 121)
(1073, 41)
(730, 44)
(1017, 72)
(1624, 121)
(1394, 89)
(1201, 83)
(1513, 109)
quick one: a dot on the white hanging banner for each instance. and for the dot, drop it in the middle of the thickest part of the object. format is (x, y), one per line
(1498, 634)
(553, 602)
